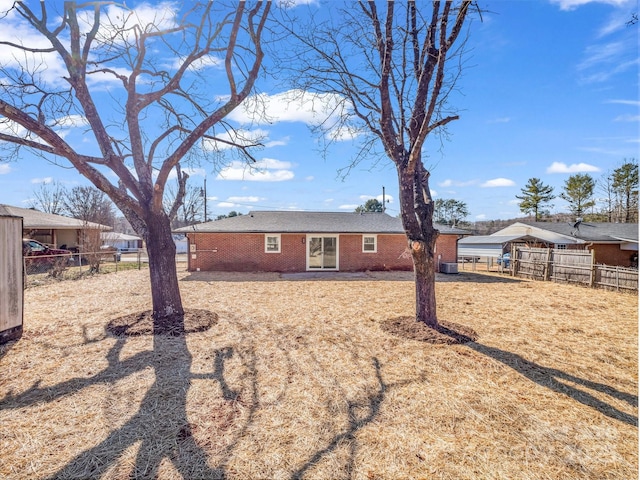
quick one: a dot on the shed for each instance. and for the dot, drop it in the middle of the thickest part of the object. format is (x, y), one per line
(11, 278)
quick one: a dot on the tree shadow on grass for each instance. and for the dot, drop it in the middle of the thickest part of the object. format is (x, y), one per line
(160, 426)
(356, 421)
(554, 379)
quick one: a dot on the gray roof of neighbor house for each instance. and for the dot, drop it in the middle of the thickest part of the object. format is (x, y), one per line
(561, 232)
(593, 232)
(308, 222)
(34, 219)
(116, 237)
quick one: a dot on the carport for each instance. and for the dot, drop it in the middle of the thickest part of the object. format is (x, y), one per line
(486, 246)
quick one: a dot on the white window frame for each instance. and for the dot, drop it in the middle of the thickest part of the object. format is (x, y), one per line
(277, 236)
(375, 244)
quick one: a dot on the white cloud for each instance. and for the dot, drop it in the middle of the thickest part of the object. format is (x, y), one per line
(199, 64)
(481, 217)
(633, 103)
(573, 4)
(70, 121)
(192, 172)
(627, 118)
(605, 60)
(4, 168)
(348, 207)
(500, 120)
(498, 182)
(277, 143)
(291, 106)
(287, 4)
(44, 180)
(387, 198)
(116, 27)
(9, 127)
(265, 170)
(244, 199)
(122, 22)
(272, 163)
(560, 167)
(455, 183)
(341, 133)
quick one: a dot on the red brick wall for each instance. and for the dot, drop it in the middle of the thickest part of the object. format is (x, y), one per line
(229, 252)
(246, 253)
(447, 249)
(390, 254)
(612, 255)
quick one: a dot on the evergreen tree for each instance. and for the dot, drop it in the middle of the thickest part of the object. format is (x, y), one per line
(578, 191)
(535, 196)
(371, 205)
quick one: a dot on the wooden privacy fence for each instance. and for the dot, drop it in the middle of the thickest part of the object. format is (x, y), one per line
(570, 266)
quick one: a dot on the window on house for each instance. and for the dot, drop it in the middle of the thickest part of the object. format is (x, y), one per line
(369, 244)
(272, 243)
(561, 246)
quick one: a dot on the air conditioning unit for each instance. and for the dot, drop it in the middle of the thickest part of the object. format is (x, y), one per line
(449, 268)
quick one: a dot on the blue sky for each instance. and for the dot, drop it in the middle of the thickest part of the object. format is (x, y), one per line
(550, 90)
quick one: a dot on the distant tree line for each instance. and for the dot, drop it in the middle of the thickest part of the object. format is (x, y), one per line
(85, 203)
(89, 204)
(617, 200)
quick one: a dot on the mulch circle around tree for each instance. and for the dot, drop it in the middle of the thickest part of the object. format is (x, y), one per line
(448, 333)
(141, 323)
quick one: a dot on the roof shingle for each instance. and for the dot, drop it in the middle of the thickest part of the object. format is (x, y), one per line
(307, 222)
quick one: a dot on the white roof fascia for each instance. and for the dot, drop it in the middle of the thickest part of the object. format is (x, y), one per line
(628, 240)
(529, 230)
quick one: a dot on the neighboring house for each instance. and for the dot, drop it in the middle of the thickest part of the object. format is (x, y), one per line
(55, 231)
(268, 241)
(182, 244)
(612, 243)
(121, 241)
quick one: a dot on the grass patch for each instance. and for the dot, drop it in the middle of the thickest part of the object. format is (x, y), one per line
(307, 378)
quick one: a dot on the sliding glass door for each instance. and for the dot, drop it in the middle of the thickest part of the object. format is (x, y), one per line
(322, 253)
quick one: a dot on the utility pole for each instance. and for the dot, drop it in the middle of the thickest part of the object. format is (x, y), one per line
(384, 201)
(205, 199)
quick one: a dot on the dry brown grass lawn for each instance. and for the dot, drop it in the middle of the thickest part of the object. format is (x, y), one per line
(298, 379)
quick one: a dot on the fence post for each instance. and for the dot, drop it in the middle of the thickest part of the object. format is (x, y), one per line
(547, 265)
(592, 272)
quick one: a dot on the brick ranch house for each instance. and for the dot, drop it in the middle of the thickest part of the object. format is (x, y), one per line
(276, 241)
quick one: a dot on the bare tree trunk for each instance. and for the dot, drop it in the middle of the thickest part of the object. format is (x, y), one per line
(168, 313)
(424, 268)
(416, 208)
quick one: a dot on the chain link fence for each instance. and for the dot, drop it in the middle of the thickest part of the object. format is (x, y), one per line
(43, 269)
